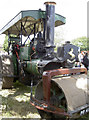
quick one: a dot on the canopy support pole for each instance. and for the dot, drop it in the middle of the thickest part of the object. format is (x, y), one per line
(21, 33)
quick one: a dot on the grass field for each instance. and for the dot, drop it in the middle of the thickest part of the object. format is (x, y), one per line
(16, 103)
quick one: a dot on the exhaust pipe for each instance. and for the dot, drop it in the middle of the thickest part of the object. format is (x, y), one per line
(50, 24)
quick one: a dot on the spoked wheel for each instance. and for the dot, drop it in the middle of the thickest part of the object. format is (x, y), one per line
(26, 79)
(57, 99)
(6, 71)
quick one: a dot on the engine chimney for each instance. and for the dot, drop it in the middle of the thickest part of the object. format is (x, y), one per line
(50, 24)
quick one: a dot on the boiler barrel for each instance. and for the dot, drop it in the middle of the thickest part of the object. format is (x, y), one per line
(32, 67)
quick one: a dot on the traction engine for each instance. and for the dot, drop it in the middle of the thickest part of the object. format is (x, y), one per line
(61, 88)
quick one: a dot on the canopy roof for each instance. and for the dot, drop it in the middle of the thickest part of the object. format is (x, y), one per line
(27, 19)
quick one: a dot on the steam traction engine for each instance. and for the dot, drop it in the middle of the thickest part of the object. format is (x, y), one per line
(61, 89)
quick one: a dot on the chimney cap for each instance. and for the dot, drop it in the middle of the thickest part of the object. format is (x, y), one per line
(50, 3)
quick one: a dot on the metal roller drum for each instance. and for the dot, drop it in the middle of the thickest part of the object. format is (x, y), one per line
(68, 93)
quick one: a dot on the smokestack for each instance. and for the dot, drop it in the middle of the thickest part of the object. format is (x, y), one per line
(50, 24)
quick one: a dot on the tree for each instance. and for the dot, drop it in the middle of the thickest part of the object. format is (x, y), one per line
(82, 42)
(5, 44)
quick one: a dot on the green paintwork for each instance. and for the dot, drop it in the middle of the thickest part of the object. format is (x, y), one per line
(25, 53)
(28, 18)
(35, 14)
(32, 67)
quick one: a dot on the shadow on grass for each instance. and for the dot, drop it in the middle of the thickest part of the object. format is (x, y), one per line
(17, 102)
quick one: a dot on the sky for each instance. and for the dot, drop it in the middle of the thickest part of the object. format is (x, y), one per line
(75, 12)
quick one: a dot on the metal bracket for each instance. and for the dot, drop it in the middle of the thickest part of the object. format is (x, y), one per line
(47, 75)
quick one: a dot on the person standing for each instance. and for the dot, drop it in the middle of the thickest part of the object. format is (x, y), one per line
(86, 60)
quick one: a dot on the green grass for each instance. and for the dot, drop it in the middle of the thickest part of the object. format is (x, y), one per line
(16, 102)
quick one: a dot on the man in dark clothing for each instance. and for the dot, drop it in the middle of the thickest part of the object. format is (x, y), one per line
(85, 60)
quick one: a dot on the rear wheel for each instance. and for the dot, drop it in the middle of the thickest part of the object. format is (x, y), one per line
(6, 71)
(26, 79)
(7, 82)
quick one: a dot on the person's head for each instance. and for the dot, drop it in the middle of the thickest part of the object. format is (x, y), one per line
(86, 54)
